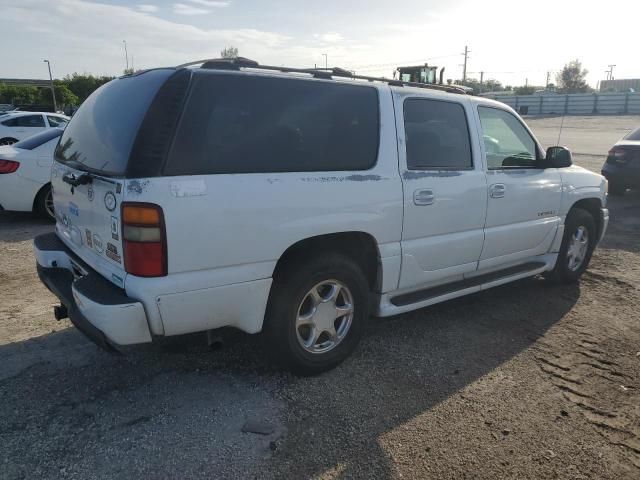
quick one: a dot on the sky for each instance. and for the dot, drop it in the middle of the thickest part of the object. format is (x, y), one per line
(511, 41)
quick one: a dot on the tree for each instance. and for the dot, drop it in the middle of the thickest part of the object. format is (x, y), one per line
(572, 78)
(64, 96)
(84, 85)
(525, 90)
(229, 52)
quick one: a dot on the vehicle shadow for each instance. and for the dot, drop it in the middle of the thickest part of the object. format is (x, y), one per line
(20, 226)
(183, 397)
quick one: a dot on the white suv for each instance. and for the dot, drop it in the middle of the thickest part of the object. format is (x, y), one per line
(297, 203)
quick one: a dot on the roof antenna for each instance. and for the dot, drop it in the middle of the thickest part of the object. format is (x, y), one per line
(560, 132)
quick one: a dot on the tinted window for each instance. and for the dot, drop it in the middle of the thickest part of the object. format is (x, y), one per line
(30, 121)
(34, 141)
(245, 124)
(100, 135)
(635, 135)
(12, 122)
(437, 134)
(507, 143)
(56, 121)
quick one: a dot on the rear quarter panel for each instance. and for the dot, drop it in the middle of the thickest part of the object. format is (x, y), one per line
(232, 228)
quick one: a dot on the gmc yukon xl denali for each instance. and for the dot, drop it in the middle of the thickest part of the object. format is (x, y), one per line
(297, 203)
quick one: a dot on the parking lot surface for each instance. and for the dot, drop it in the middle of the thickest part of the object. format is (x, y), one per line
(526, 380)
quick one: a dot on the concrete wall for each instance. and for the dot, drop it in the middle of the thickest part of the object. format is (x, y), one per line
(573, 104)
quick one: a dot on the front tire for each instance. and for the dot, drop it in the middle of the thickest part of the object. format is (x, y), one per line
(578, 243)
(316, 313)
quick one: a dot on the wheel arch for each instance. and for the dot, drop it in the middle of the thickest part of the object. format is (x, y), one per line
(34, 206)
(360, 246)
(594, 207)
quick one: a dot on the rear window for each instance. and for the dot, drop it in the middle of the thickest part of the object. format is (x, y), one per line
(635, 135)
(34, 141)
(251, 124)
(100, 135)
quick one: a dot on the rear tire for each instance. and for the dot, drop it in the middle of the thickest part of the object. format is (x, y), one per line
(44, 203)
(616, 189)
(294, 313)
(578, 243)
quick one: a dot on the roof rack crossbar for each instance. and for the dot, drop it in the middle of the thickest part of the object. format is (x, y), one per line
(323, 73)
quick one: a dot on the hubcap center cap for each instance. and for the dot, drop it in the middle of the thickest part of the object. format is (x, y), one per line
(325, 315)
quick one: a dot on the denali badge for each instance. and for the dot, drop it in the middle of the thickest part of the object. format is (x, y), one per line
(90, 193)
(110, 201)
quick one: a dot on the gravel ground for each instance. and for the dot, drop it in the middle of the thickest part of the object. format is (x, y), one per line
(522, 381)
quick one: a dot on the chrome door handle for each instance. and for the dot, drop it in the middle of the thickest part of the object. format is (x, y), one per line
(423, 197)
(497, 190)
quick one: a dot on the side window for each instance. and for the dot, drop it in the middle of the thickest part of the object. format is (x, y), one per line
(12, 122)
(30, 121)
(507, 143)
(252, 124)
(56, 121)
(436, 134)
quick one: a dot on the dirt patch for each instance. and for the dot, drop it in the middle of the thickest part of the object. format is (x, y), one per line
(523, 381)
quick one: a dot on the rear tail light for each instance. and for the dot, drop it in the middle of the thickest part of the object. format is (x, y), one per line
(617, 152)
(144, 240)
(8, 166)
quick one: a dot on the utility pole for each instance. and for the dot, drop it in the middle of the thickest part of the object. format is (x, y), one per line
(53, 92)
(326, 61)
(610, 72)
(548, 76)
(464, 66)
(126, 54)
(481, 80)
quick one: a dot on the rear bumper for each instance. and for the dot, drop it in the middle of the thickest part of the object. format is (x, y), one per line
(624, 175)
(99, 309)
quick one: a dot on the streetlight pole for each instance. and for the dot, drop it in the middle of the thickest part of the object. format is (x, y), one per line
(326, 61)
(53, 92)
(126, 54)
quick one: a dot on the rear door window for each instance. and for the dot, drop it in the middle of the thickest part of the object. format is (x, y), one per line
(250, 124)
(29, 121)
(437, 135)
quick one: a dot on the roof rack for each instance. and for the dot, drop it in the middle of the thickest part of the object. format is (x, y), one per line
(324, 73)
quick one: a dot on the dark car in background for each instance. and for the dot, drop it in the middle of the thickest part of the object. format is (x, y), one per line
(622, 168)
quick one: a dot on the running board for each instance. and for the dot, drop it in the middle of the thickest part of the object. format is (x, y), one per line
(433, 292)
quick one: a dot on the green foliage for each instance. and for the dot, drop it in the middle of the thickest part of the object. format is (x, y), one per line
(525, 90)
(19, 94)
(70, 91)
(572, 78)
(83, 85)
(229, 52)
(490, 85)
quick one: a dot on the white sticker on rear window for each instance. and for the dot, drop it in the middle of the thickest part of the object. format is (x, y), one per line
(188, 188)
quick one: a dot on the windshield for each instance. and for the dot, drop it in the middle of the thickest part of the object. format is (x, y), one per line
(100, 135)
(634, 135)
(38, 139)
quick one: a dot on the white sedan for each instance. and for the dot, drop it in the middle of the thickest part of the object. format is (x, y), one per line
(25, 174)
(16, 126)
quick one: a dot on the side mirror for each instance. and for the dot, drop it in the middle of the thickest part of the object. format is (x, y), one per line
(558, 157)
